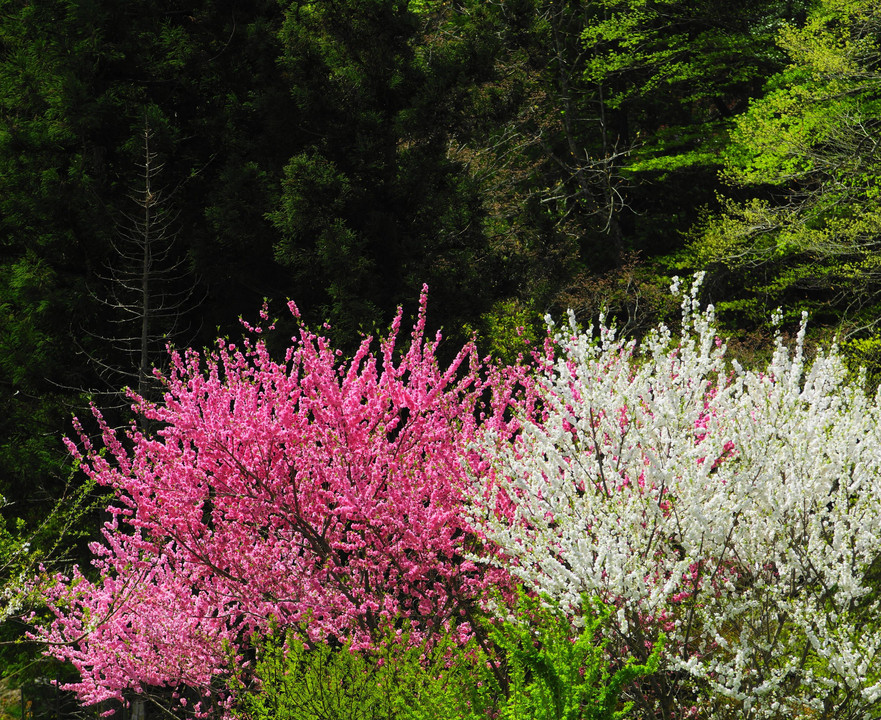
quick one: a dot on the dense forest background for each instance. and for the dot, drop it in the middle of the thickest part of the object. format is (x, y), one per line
(167, 165)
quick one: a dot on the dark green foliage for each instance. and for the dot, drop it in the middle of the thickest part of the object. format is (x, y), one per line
(45, 185)
(77, 81)
(371, 204)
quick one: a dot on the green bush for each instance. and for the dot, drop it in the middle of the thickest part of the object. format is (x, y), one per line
(558, 675)
(540, 668)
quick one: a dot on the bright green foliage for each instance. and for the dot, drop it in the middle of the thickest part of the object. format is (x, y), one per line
(557, 674)
(554, 672)
(320, 683)
(508, 330)
(813, 106)
(808, 153)
(865, 353)
(294, 681)
(689, 66)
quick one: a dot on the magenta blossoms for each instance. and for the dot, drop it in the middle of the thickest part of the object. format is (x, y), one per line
(313, 491)
(739, 512)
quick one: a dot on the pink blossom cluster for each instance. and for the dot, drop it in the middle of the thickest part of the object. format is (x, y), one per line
(316, 492)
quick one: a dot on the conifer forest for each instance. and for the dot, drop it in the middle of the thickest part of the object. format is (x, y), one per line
(440, 359)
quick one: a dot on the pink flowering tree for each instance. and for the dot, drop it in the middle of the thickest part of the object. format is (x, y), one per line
(738, 512)
(319, 493)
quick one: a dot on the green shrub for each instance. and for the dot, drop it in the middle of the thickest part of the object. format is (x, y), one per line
(548, 672)
(558, 675)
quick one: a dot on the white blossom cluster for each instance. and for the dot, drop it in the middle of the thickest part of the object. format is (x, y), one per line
(737, 511)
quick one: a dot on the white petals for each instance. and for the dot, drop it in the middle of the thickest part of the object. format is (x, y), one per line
(738, 510)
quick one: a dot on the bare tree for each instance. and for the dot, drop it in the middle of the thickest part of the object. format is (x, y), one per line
(148, 287)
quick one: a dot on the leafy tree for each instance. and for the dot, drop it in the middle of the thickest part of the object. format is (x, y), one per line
(804, 156)
(595, 131)
(680, 71)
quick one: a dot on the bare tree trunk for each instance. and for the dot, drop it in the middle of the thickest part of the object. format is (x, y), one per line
(148, 288)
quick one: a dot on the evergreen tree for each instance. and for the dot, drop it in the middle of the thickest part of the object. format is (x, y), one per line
(372, 205)
(77, 80)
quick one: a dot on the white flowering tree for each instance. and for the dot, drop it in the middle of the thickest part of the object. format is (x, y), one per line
(738, 512)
